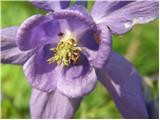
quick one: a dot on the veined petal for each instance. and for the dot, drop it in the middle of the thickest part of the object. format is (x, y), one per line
(36, 31)
(124, 85)
(39, 73)
(10, 53)
(50, 5)
(77, 80)
(52, 105)
(121, 20)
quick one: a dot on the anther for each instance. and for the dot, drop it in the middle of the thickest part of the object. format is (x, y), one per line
(60, 34)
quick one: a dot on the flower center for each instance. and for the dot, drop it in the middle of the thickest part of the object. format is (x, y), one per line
(66, 52)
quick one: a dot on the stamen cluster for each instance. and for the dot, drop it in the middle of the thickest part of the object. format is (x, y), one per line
(66, 52)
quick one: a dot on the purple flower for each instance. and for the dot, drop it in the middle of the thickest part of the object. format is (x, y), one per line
(65, 52)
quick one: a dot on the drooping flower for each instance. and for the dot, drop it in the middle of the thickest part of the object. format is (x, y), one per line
(65, 51)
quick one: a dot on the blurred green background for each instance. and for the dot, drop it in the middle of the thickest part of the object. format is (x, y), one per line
(140, 46)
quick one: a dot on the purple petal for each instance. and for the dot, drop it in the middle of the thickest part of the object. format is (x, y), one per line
(101, 9)
(64, 4)
(52, 105)
(124, 85)
(88, 41)
(49, 5)
(122, 20)
(90, 47)
(82, 22)
(77, 80)
(97, 47)
(36, 31)
(105, 47)
(82, 3)
(10, 53)
(39, 73)
(77, 18)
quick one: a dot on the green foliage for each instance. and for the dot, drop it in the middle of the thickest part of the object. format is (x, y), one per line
(140, 46)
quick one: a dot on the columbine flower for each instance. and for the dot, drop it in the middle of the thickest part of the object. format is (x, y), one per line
(65, 51)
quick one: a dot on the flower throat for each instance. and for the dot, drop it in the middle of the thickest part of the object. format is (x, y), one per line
(66, 52)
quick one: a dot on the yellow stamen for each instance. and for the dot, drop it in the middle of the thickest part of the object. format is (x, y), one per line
(65, 52)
